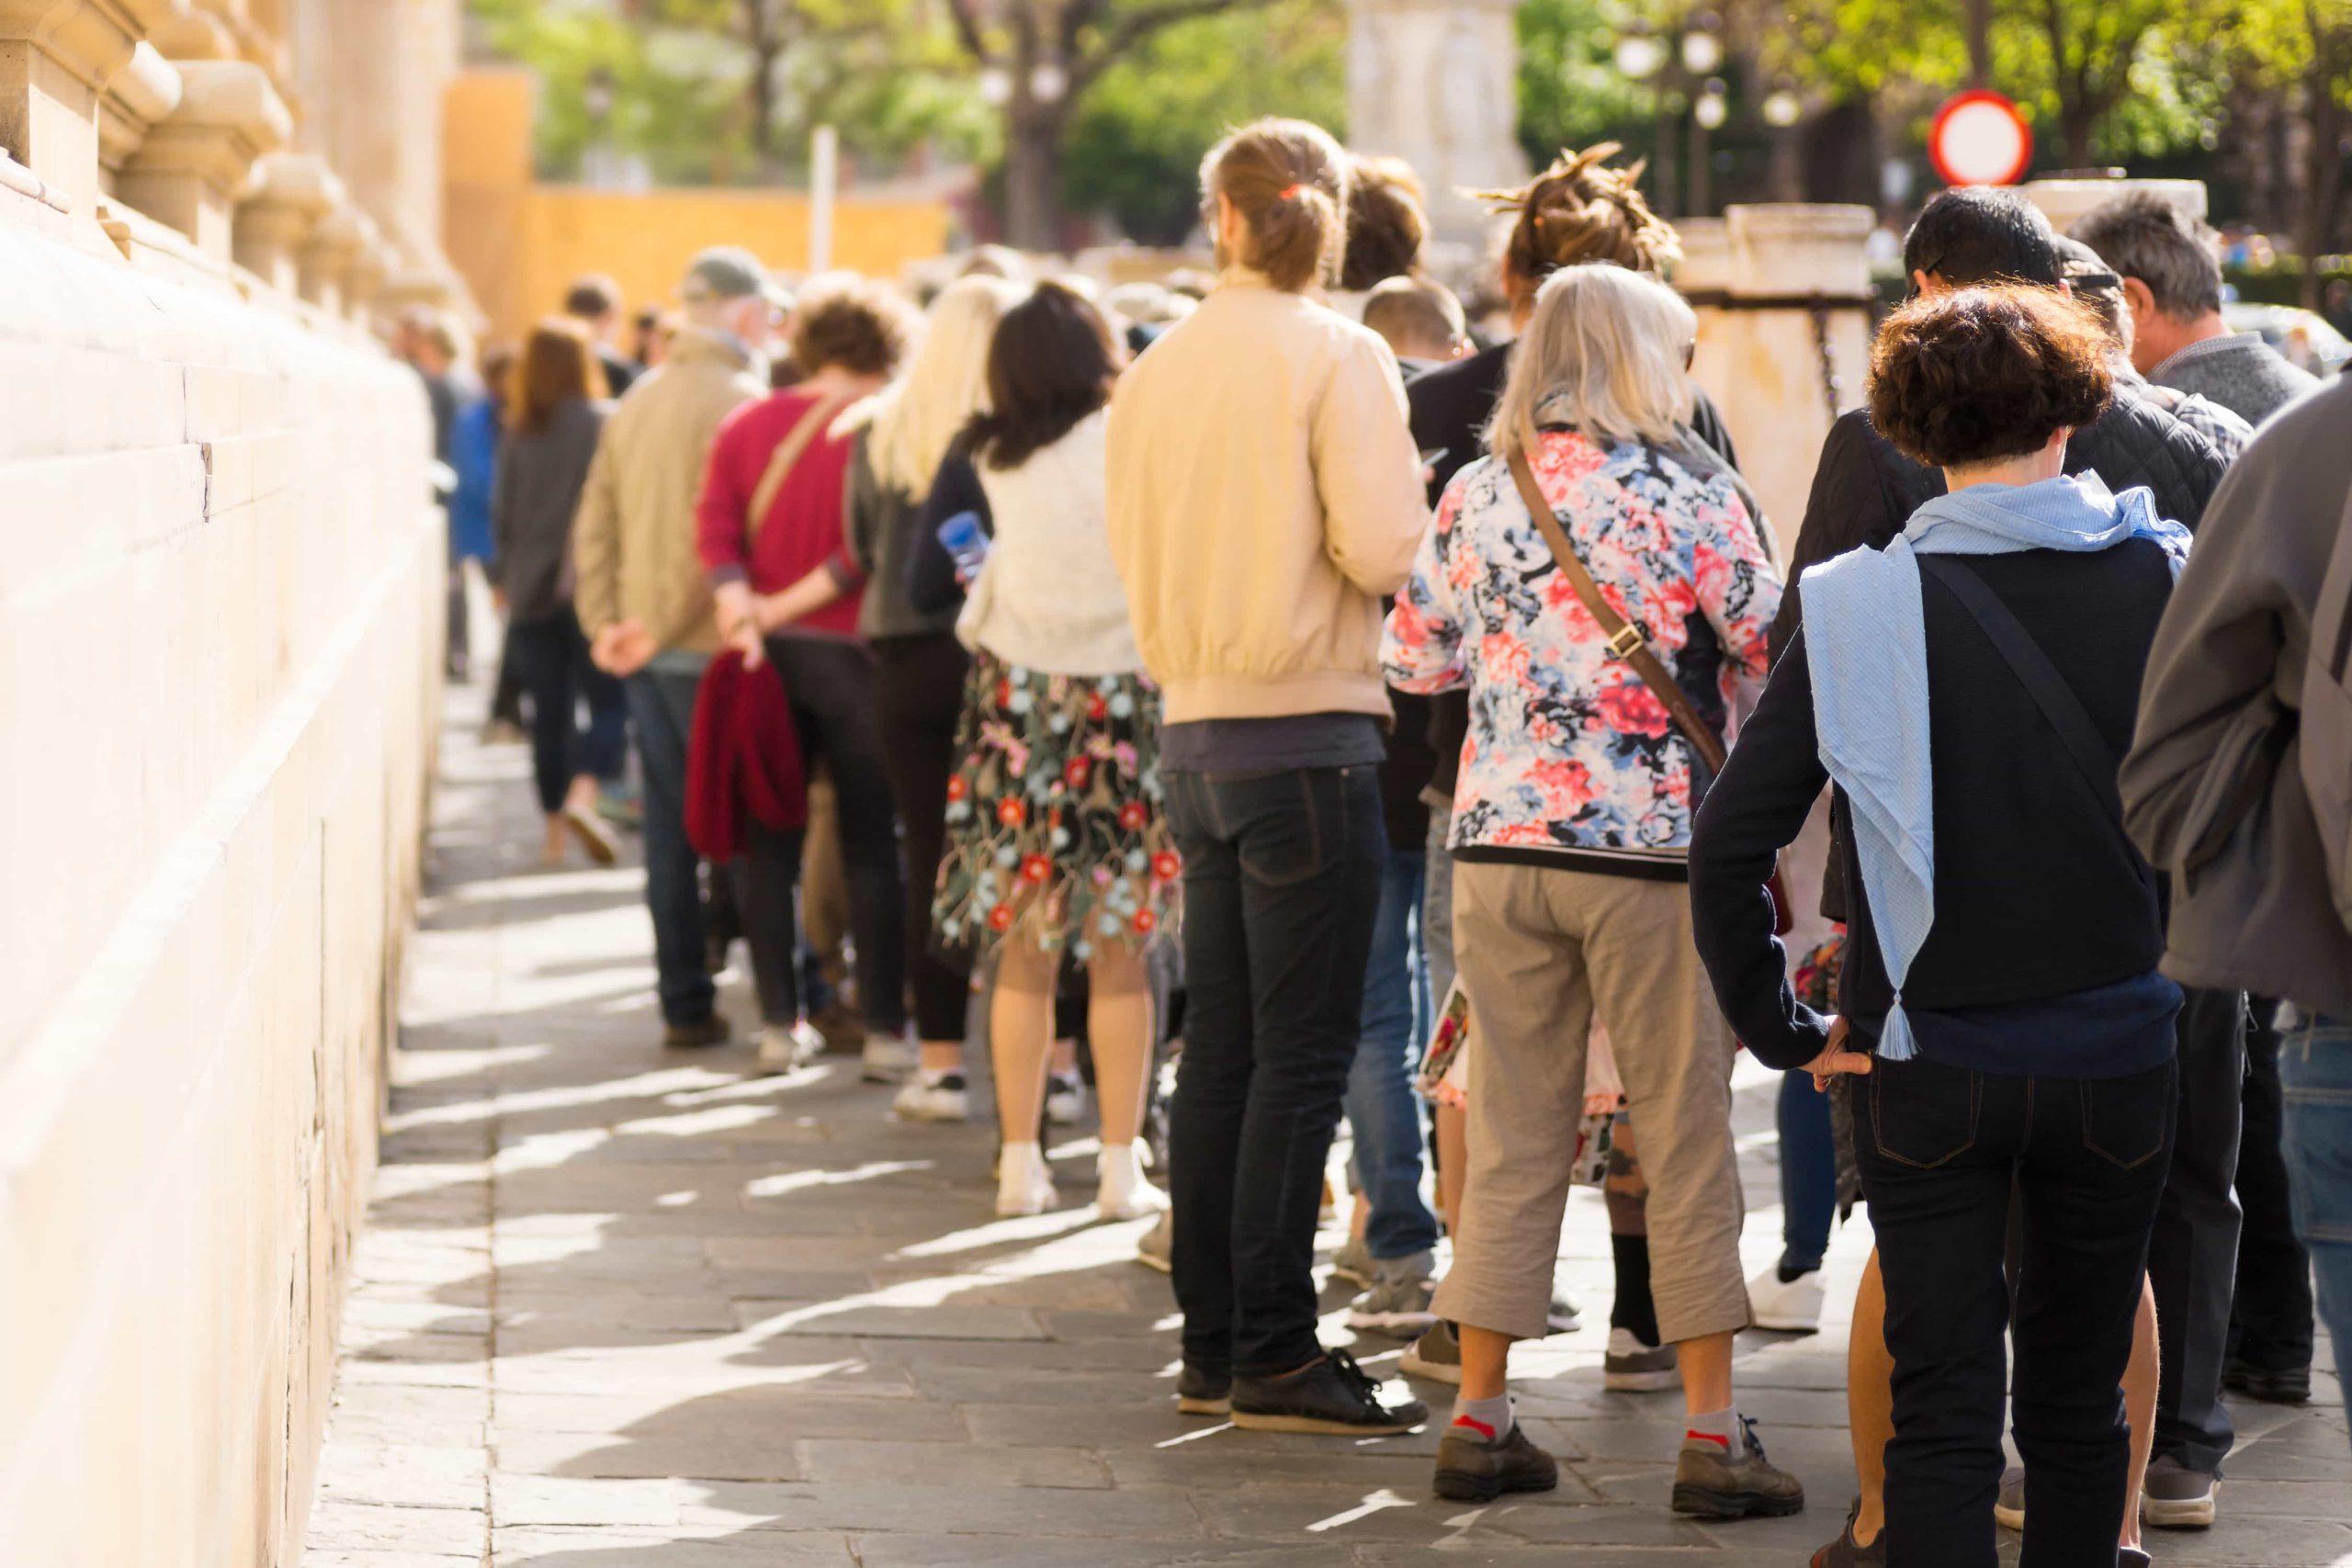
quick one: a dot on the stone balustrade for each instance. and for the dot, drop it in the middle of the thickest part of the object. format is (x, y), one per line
(221, 590)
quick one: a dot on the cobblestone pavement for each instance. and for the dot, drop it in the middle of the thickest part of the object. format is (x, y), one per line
(623, 1309)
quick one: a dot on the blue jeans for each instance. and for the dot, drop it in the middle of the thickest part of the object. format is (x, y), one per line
(1808, 1174)
(1282, 878)
(662, 704)
(1382, 1107)
(2315, 1078)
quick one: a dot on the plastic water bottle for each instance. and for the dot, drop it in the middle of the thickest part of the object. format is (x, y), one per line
(967, 542)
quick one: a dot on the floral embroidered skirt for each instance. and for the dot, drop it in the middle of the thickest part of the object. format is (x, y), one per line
(1056, 829)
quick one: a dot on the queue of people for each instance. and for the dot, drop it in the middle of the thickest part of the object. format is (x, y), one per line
(1426, 725)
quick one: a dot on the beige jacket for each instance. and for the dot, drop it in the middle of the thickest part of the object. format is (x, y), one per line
(1265, 494)
(633, 539)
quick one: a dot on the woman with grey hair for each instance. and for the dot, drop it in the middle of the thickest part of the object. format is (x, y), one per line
(1591, 730)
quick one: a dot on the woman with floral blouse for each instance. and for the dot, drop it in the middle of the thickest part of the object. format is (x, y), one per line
(1571, 829)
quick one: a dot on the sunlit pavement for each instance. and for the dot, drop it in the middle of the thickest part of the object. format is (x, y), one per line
(623, 1309)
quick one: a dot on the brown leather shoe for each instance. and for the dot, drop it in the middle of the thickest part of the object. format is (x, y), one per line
(1710, 1485)
(1475, 1468)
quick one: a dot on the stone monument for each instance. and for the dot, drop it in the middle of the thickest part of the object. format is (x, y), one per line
(1436, 82)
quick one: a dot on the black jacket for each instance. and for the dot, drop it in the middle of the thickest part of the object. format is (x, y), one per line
(1864, 491)
(2038, 894)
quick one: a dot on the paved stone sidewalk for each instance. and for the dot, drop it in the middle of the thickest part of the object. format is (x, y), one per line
(618, 1309)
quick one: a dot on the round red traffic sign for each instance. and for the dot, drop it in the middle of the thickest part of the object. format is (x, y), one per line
(1980, 139)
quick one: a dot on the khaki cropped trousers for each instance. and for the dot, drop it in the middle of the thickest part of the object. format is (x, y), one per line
(1540, 951)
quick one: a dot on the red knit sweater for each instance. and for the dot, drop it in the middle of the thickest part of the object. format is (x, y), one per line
(802, 530)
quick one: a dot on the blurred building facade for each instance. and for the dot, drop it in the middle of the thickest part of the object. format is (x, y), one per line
(220, 621)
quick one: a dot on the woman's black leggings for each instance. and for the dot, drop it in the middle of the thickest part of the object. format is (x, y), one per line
(550, 659)
(919, 695)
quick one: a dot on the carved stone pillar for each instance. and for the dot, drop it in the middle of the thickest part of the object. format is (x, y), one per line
(288, 195)
(145, 90)
(2067, 202)
(56, 59)
(363, 280)
(329, 257)
(1436, 82)
(187, 173)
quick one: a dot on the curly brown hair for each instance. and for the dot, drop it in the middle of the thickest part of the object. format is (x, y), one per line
(841, 319)
(1977, 374)
(1580, 209)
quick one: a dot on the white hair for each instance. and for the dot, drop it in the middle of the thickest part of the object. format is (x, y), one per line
(911, 422)
(1610, 349)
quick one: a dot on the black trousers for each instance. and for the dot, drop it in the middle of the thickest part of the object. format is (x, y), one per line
(1941, 1149)
(2270, 1324)
(830, 684)
(918, 698)
(2193, 1256)
(550, 659)
(1282, 882)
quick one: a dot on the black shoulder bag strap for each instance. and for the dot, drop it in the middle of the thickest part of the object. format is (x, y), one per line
(2093, 757)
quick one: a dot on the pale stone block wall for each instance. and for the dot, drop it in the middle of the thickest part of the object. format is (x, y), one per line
(220, 605)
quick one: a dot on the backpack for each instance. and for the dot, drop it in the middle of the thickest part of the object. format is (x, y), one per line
(2327, 720)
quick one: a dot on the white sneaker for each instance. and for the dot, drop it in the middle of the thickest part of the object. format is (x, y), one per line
(931, 1095)
(1124, 1193)
(889, 1058)
(1024, 1184)
(786, 1047)
(1065, 1098)
(1791, 1307)
(1157, 1247)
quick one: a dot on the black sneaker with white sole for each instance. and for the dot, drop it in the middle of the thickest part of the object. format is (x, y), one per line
(1330, 1394)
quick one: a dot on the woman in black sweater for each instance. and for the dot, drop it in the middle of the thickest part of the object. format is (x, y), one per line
(1973, 687)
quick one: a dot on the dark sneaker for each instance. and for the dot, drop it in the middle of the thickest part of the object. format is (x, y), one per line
(1332, 1394)
(1844, 1553)
(2290, 1386)
(1204, 1391)
(1474, 1466)
(2175, 1497)
(1633, 1366)
(2132, 1557)
(1712, 1485)
(1436, 1356)
(711, 1030)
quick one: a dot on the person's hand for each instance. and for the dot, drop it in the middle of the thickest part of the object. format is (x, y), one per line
(1837, 1059)
(498, 600)
(769, 613)
(622, 649)
(746, 640)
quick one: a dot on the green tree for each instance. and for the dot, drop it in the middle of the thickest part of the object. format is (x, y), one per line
(1133, 149)
(1047, 55)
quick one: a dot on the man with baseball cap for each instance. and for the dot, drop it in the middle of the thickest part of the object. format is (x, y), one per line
(642, 600)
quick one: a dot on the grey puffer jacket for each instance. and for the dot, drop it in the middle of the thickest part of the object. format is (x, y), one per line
(2214, 788)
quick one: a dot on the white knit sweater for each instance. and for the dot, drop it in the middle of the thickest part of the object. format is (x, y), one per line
(1050, 598)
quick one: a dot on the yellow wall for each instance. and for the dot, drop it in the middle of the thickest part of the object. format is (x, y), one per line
(518, 243)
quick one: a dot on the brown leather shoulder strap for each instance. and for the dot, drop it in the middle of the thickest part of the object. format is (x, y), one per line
(787, 452)
(1625, 640)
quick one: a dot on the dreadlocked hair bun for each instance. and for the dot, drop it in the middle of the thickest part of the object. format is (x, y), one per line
(1580, 209)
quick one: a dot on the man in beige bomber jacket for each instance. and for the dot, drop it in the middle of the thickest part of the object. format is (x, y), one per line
(1265, 495)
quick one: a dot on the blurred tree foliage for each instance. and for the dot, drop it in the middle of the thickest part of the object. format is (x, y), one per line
(1133, 149)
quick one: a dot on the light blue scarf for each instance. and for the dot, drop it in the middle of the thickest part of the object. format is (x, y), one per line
(1866, 641)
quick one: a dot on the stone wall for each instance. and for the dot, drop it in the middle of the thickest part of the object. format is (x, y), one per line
(220, 604)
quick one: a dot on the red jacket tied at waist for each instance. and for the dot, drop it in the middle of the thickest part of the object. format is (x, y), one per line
(744, 756)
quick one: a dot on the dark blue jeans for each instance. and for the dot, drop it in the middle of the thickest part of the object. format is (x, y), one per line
(1383, 1111)
(2315, 1071)
(550, 660)
(1808, 1174)
(1942, 1149)
(661, 704)
(2193, 1256)
(1282, 882)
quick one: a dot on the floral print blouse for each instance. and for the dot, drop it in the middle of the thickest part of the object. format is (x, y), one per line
(1569, 758)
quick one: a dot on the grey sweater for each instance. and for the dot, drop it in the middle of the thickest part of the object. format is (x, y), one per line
(2240, 372)
(540, 473)
(2214, 788)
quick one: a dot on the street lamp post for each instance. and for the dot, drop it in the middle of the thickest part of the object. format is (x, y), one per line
(1682, 71)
